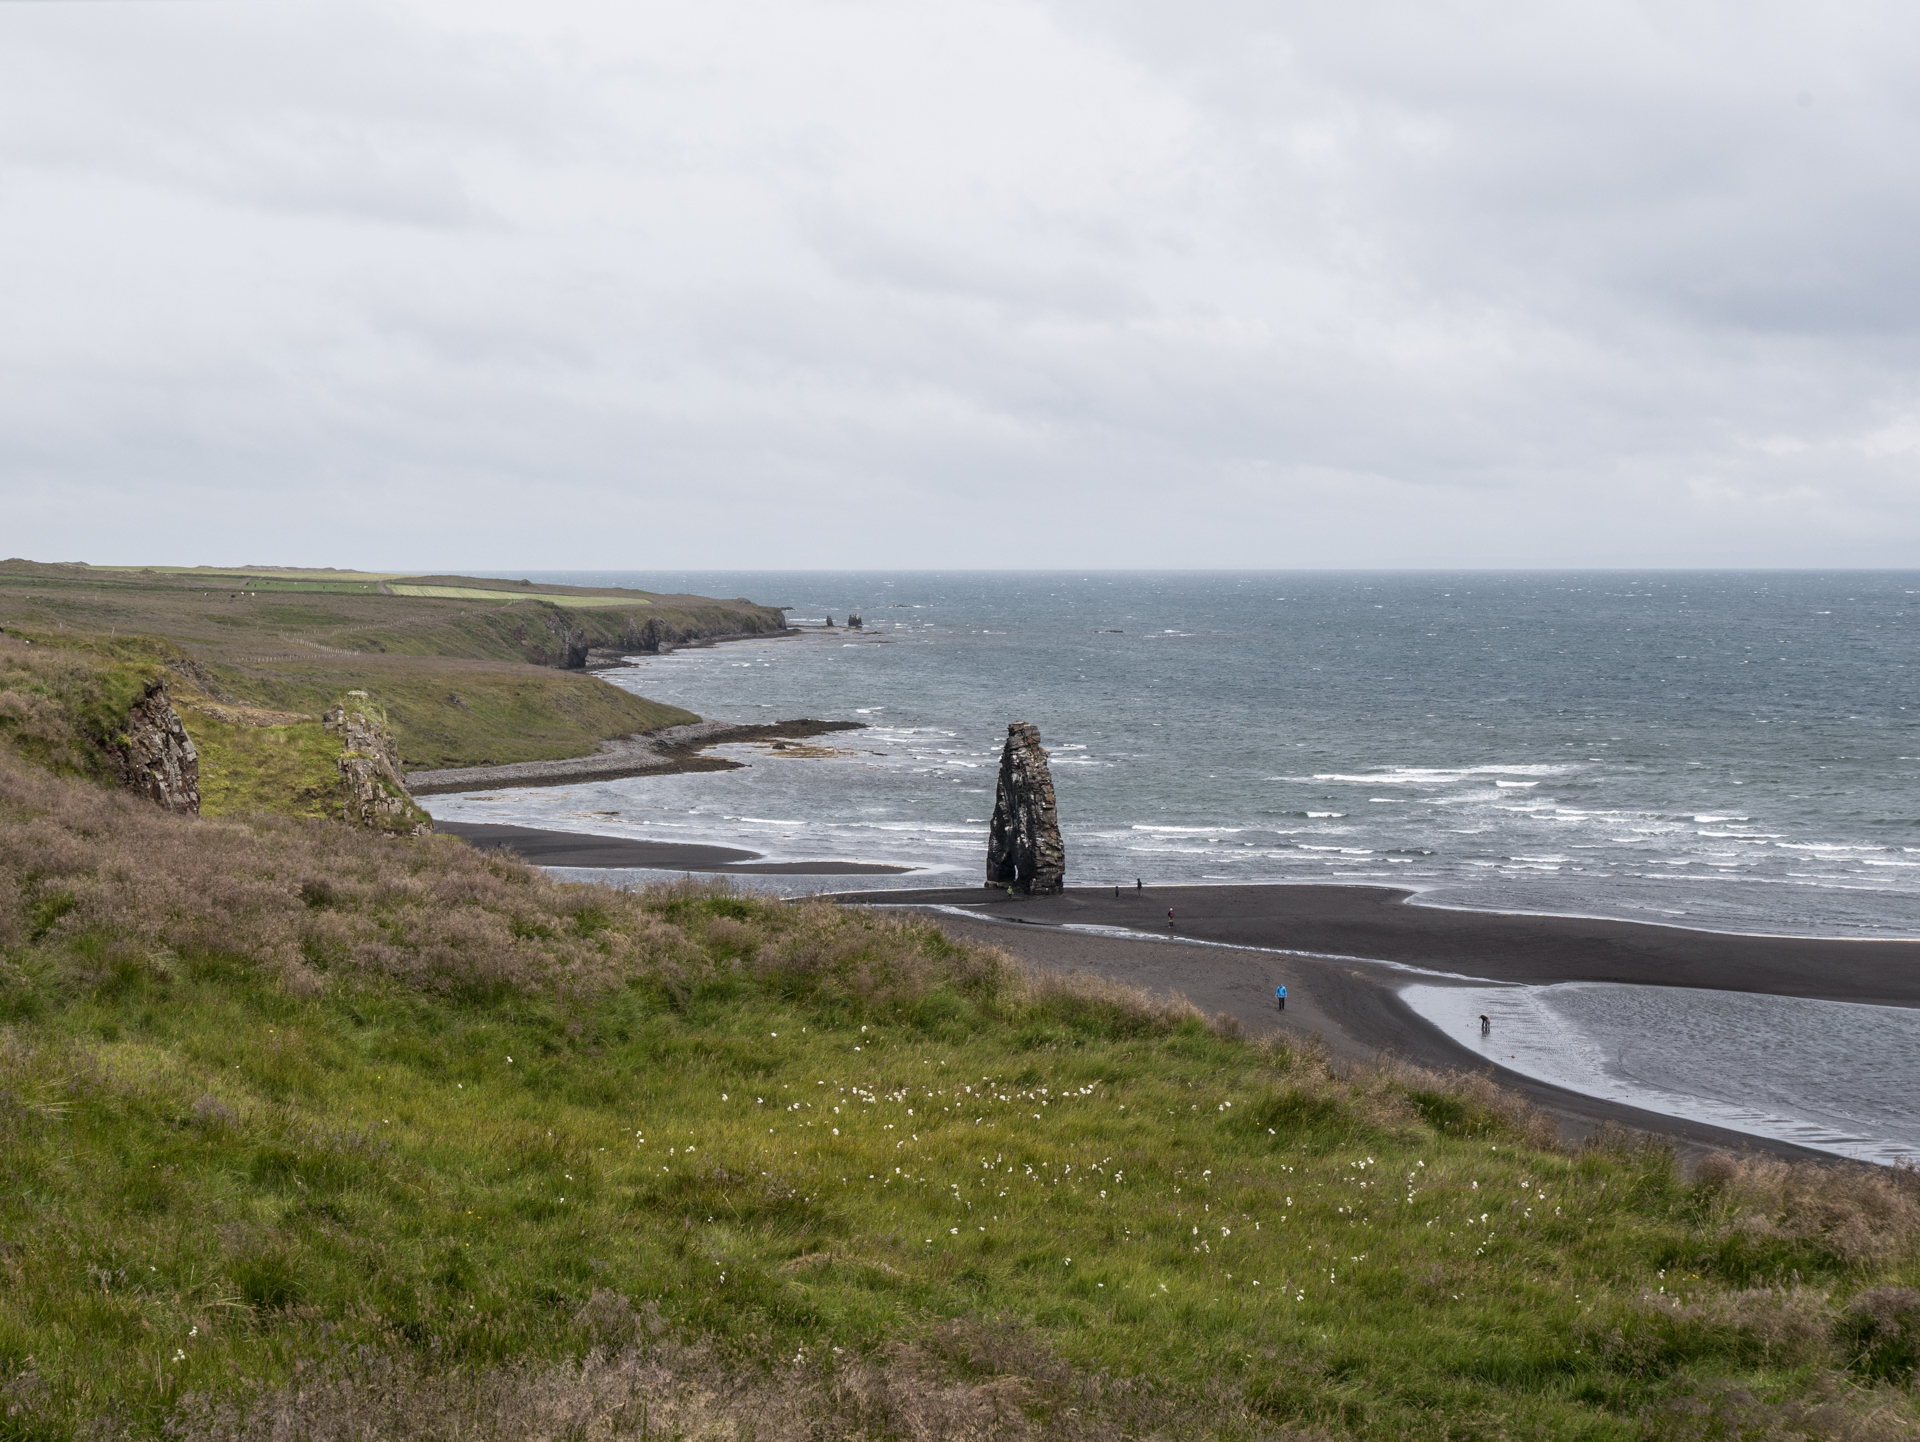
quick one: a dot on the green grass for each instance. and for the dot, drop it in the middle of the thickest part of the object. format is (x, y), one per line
(794, 1130)
(472, 715)
(216, 574)
(65, 695)
(291, 641)
(472, 593)
(293, 770)
(226, 618)
(64, 709)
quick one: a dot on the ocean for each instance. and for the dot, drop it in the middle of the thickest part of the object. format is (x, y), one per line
(1732, 751)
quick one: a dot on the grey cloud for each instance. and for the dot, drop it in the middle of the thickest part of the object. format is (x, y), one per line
(1222, 284)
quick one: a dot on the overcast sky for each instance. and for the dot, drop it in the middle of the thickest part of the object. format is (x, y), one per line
(1089, 283)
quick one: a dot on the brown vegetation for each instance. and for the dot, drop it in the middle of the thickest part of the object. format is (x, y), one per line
(1860, 1215)
(963, 1383)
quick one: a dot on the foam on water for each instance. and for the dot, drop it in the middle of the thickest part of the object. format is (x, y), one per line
(1835, 1076)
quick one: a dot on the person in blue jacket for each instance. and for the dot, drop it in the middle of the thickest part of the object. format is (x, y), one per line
(1280, 996)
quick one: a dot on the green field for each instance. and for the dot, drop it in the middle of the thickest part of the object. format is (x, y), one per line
(238, 575)
(471, 674)
(470, 593)
(314, 1134)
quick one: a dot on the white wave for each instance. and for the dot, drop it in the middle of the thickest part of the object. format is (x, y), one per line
(1432, 775)
(1194, 830)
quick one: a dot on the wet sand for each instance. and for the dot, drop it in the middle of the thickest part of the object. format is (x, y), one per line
(573, 848)
(1347, 993)
(670, 750)
(1379, 924)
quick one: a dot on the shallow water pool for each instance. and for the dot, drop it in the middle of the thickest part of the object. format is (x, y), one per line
(1837, 1076)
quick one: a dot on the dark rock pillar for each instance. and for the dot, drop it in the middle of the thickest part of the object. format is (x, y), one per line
(157, 758)
(373, 789)
(1024, 849)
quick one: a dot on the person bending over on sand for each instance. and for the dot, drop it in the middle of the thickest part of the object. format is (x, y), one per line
(1486, 1024)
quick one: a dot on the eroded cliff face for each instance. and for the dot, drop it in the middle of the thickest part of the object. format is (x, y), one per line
(1024, 849)
(157, 759)
(373, 791)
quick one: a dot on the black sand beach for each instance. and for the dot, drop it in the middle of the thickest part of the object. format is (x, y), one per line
(1346, 994)
(573, 848)
(1381, 924)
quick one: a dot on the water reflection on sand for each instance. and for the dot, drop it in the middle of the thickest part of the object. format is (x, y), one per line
(1836, 1076)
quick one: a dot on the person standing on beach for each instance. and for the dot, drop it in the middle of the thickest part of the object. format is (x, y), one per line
(1280, 995)
(1169, 916)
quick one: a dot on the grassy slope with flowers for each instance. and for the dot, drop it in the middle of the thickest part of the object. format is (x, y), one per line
(309, 1133)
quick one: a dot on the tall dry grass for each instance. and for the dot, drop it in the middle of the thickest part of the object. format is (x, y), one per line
(111, 884)
(962, 1382)
(1860, 1215)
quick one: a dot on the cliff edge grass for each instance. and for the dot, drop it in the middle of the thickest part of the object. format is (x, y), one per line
(473, 672)
(241, 615)
(261, 738)
(313, 1133)
(105, 711)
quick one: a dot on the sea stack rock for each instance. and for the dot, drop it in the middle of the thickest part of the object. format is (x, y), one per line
(157, 758)
(1024, 849)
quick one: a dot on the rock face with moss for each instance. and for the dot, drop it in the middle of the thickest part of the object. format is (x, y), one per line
(373, 793)
(157, 758)
(1024, 850)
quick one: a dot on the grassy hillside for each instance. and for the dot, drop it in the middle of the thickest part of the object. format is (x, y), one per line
(470, 672)
(314, 1134)
(62, 708)
(62, 693)
(244, 617)
(465, 713)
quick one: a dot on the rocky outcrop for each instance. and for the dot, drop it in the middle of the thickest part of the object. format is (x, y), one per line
(1024, 850)
(558, 642)
(157, 758)
(373, 792)
(643, 639)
